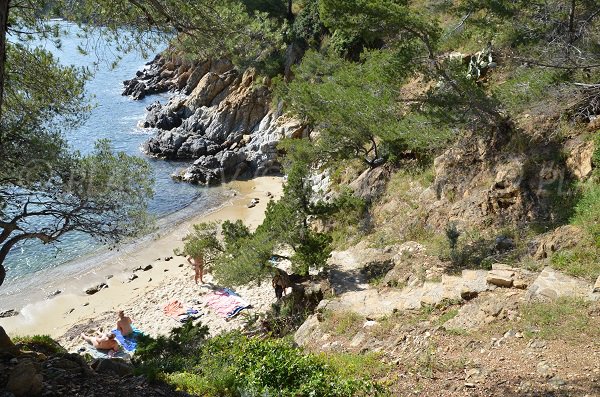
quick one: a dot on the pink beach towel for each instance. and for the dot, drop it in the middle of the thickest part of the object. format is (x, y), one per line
(226, 303)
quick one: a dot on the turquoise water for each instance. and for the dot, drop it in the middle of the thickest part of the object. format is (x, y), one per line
(114, 117)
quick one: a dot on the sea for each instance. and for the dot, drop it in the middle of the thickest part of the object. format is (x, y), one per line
(116, 118)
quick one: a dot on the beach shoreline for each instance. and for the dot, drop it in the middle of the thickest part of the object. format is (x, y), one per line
(167, 279)
(18, 293)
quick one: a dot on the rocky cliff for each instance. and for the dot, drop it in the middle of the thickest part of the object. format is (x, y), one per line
(218, 117)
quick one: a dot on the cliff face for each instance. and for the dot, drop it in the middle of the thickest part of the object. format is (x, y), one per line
(494, 179)
(218, 117)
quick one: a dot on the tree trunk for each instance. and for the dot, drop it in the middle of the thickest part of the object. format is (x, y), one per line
(571, 24)
(3, 28)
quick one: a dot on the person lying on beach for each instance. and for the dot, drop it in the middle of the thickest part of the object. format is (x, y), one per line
(102, 341)
(124, 324)
(198, 263)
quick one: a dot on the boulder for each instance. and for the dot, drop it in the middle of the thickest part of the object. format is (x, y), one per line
(308, 332)
(552, 284)
(473, 282)
(371, 183)
(225, 121)
(597, 285)
(95, 288)
(561, 238)
(114, 366)
(501, 278)
(9, 313)
(211, 85)
(24, 380)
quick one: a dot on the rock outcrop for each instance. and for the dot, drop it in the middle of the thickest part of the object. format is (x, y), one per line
(219, 117)
(504, 177)
(164, 74)
(552, 284)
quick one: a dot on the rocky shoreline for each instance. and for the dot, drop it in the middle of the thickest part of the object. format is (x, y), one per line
(218, 117)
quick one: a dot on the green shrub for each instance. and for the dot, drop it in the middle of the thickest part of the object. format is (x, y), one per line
(39, 343)
(307, 28)
(344, 323)
(580, 261)
(234, 365)
(348, 364)
(596, 155)
(526, 86)
(587, 212)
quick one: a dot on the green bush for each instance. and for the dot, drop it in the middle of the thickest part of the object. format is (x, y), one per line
(596, 155)
(39, 343)
(587, 211)
(234, 365)
(307, 28)
(525, 87)
(580, 261)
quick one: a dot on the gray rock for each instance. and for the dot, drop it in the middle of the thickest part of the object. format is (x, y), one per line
(544, 369)
(96, 288)
(308, 332)
(597, 285)
(8, 313)
(557, 382)
(24, 380)
(503, 244)
(552, 284)
(371, 183)
(114, 366)
(226, 116)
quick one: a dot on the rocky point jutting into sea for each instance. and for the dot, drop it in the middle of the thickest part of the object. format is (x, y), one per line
(218, 117)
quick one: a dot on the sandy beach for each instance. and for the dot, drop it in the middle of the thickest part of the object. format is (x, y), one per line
(69, 313)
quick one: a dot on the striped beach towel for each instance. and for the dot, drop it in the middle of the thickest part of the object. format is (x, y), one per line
(226, 303)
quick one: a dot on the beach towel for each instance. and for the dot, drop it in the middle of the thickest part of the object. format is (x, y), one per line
(226, 303)
(101, 353)
(129, 342)
(173, 309)
(177, 311)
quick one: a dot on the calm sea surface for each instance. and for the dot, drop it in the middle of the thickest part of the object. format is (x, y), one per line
(114, 117)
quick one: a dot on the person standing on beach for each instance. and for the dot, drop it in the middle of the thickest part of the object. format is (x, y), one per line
(200, 247)
(124, 324)
(198, 262)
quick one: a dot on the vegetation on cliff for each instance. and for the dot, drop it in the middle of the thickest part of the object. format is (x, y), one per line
(232, 364)
(504, 94)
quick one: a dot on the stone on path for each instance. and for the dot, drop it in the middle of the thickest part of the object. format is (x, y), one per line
(552, 284)
(501, 278)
